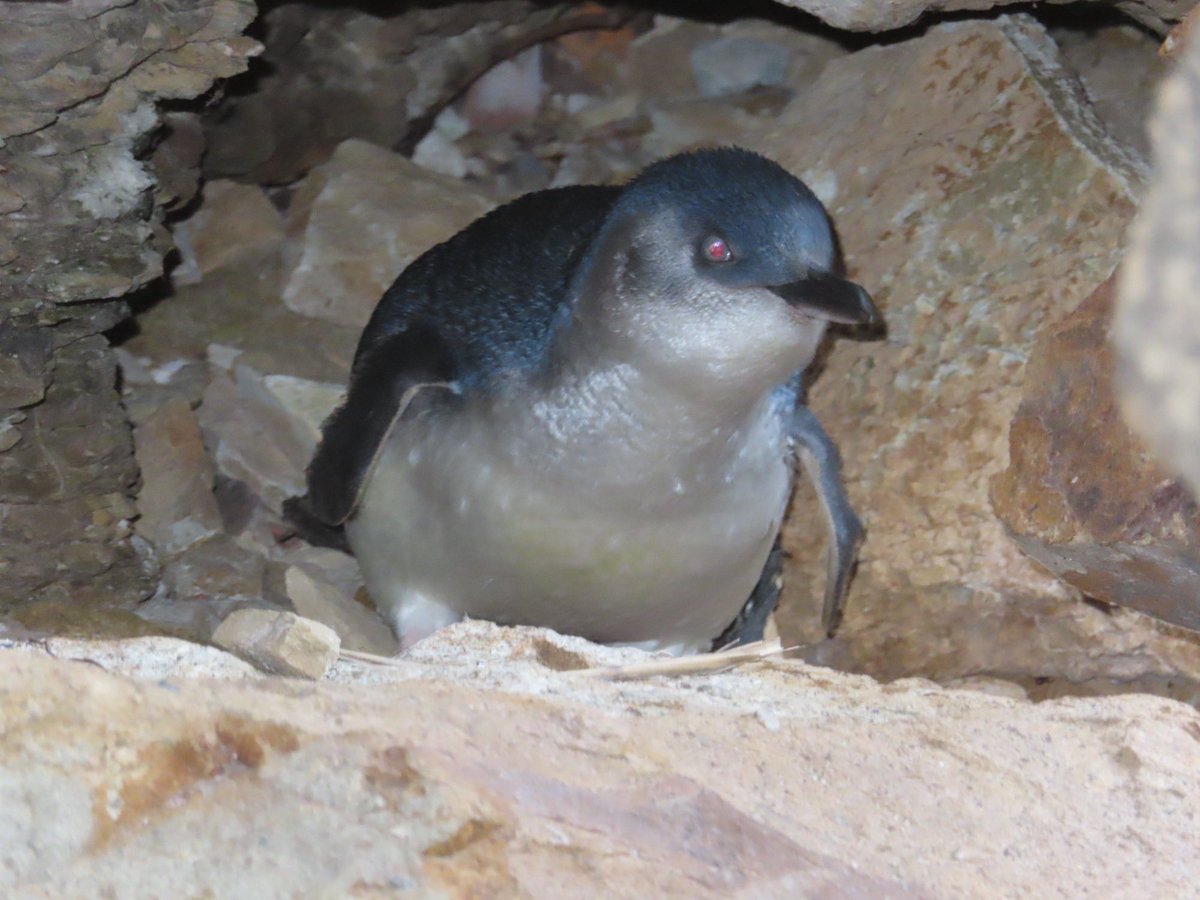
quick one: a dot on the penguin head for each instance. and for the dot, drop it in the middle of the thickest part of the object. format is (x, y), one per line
(724, 259)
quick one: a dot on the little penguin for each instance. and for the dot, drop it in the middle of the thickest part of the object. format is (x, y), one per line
(582, 412)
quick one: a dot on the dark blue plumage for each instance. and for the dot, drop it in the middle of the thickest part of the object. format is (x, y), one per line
(493, 290)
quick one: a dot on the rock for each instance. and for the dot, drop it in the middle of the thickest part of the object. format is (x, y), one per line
(66, 483)
(309, 403)
(730, 65)
(1159, 305)
(24, 366)
(176, 160)
(1081, 494)
(217, 568)
(80, 222)
(232, 220)
(438, 154)
(885, 15)
(331, 74)
(978, 199)
(238, 306)
(253, 437)
(689, 124)
(357, 221)
(149, 658)
(358, 627)
(1120, 68)
(279, 642)
(175, 502)
(681, 58)
(508, 94)
(498, 771)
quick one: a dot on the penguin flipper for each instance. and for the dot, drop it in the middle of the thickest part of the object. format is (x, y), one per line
(382, 386)
(823, 464)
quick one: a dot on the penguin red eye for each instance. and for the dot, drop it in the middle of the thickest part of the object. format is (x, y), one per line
(716, 250)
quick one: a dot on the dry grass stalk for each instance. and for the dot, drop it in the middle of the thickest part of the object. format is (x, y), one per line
(687, 665)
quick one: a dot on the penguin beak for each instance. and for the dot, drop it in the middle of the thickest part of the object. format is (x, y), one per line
(829, 297)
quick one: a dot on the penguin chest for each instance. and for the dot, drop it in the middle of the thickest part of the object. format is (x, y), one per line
(613, 550)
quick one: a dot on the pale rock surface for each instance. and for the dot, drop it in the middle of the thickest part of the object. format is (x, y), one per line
(280, 642)
(485, 765)
(358, 220)
(978, 199)
(357, 626)
(152, 658)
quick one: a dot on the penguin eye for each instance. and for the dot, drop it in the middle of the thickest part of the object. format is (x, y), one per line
(716, 250)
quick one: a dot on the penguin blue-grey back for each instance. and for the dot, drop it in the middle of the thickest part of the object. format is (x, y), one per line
(581, 411)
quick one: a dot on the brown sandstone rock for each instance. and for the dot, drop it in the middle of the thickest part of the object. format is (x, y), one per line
(979, 200)
(1081, 494)
(484, 768)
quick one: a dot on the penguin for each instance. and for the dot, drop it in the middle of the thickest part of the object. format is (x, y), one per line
(583, 412)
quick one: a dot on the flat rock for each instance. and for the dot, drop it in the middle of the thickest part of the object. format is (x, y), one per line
(232, 220)
(152, 658)
(216, 568)
(175, 503)
(358, 220)
(358, 627)
(1082, 495)
(253, 436)
(489, 765)
(279, 642)
(978, 199)
(238, 306)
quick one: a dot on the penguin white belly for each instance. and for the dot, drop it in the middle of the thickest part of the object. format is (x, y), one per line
(447, 529)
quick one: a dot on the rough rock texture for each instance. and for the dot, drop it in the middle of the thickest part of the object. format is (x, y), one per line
(176, 504)
(978, 199)
(1082, 495)
(78, 223)
(358, 626)
(882, 15)
(279, 642)
(233, 221)
(358, 220)
(329, 74)
(1156, 321)
(485, 767)
(1121, 69)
